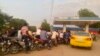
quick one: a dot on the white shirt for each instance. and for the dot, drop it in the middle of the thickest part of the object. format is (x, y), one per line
(38, 32)
(61, 35)
(19, 35)
(54, 34)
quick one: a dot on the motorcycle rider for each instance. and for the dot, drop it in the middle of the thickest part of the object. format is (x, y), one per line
(26, 37)
(44, 37)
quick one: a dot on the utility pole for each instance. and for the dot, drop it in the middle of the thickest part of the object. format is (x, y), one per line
(51, 12)
(52, 7)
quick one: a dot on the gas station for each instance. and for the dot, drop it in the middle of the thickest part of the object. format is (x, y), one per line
(79, 21)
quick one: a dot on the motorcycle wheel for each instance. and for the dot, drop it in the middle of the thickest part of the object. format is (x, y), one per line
(32, 47)
(5, 50)
(14, 49)
(38, 46)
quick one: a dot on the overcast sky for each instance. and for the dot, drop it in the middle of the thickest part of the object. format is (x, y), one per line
(34, 11)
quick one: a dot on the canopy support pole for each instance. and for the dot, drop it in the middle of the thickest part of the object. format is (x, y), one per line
(87, 27)
(64, 27)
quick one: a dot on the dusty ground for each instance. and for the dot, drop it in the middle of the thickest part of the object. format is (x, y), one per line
(65, 50)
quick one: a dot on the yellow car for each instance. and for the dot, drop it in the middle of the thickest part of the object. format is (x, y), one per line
(81, 39)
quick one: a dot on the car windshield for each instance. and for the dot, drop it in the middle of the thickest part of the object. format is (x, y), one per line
(81, 33)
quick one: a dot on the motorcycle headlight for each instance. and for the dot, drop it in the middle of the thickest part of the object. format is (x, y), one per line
(9, 42)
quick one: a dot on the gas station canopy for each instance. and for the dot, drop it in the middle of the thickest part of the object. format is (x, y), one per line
(77, 20)
(80, 21)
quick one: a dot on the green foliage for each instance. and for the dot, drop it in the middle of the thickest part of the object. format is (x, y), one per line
(86, 13)
(7, 21)
(45, 25)
(32, 28)
(3, 19)
(95, 25)
(1, 23)
(17, 23)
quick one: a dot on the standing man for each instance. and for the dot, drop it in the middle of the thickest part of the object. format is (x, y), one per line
(38, 33)
(61, 36)
(54, 37)
(67, 35)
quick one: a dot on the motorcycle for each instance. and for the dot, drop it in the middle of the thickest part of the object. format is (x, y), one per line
(5, 44)
(18, 46)
(15, 46)
(47, 43)
(32, 45)
(37, 44)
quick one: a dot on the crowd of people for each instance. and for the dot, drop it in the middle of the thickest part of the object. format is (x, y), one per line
(55, 36)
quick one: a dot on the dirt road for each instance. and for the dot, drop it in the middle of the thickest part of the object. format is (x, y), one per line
(65, 50)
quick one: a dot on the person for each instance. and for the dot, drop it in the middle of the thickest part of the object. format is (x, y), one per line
(49, 34)
(38, 33)
(94, 36)
(67, 35)
(61, 36)
(19, 36)
(44, 37)
(54, 37)
(12, 32)
(26, 37)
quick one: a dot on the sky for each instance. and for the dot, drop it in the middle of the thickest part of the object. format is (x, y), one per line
(34, 11)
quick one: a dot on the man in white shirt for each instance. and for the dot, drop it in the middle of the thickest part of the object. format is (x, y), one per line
(38, 33)
(61, 36)
(19, 35)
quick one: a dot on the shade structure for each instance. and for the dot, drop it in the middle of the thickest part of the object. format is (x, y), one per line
(77, 21)
(80, 21)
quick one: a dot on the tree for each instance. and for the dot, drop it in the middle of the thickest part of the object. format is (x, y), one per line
(4, 18)
(32, 28)
(95, 25)
(17, 23)
(1, 23)
(7, 21)
(86, 13)
(89, 13)
(45, 25)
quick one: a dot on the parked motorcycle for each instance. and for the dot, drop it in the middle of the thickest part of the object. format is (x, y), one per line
(18, 46)
(14, 47)
(5, 44)
(38, 44)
